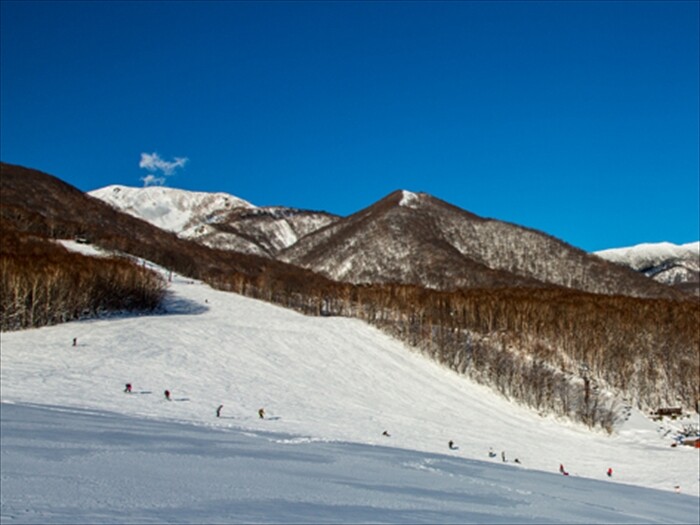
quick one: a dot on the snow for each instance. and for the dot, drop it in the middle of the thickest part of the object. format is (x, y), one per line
(75, 448)
(409, 199)
(63, 465)
(646, 255)
(168, 208)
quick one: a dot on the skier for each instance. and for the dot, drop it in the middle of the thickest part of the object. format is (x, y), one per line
(167, 395)
(218, 410)
(451, 444)
(75, 341)
(609, 472)
(261, 413)
(492, 454)
(127, 389)
(386, 433)
(503, 456)
(517, 461)
(561, 469)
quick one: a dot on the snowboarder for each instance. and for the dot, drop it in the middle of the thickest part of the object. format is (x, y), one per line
(167, 395)
(127, 389)
(218, 410)
(561, 469)
(261, 413)
(386, 433)
(451, 444)
(503, 456)
(609, 472)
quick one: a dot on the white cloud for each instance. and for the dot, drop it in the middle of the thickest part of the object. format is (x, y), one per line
(153, 163)
(152, 180)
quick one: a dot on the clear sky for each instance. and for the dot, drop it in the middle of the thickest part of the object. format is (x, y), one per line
(580, 119)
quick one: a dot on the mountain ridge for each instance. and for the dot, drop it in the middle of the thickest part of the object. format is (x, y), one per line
(665, 262)
(218, 220)
(405, 237)
(415, 238)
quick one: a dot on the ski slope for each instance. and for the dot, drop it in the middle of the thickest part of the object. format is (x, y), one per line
(329, 387)
(63, 465)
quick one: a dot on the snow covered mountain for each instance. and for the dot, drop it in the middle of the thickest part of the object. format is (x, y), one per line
(415, 238)
(218, 220)
(672, 264)
(330, 387)
(410, 238)
(168, 208)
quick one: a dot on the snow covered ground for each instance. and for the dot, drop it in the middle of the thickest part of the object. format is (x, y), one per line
(62, 465)
(76, 448)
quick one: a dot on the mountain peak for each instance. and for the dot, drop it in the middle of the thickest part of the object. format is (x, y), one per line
(168, 208)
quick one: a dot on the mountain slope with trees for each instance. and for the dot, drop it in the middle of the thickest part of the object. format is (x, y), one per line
(418, 239)
(557, 350)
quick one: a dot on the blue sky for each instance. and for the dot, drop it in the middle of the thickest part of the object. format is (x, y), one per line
(580, 119)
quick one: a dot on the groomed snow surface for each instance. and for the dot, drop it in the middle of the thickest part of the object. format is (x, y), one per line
(77, 449)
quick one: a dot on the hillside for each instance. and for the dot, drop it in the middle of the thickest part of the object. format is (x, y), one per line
(329, 387)
(555, 350)
(40, 204)
(418, 239)
(319, 379)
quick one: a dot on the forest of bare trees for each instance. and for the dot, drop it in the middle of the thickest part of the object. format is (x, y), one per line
(41, 283)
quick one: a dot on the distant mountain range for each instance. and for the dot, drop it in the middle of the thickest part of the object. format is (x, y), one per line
(672, 264)
(409, 238)
(217, 220)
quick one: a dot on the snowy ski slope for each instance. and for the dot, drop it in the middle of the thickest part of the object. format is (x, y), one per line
(330, 387)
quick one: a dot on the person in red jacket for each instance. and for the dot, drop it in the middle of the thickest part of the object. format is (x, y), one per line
(609, 472)
(127, 389)
(167, 395)
(561, 469)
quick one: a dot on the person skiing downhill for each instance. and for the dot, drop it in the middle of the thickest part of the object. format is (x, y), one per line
(609, 472)
(451, 444)
(167, 395)
(261, 413)
(218, 410)
(127, 388)
(561, 469)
